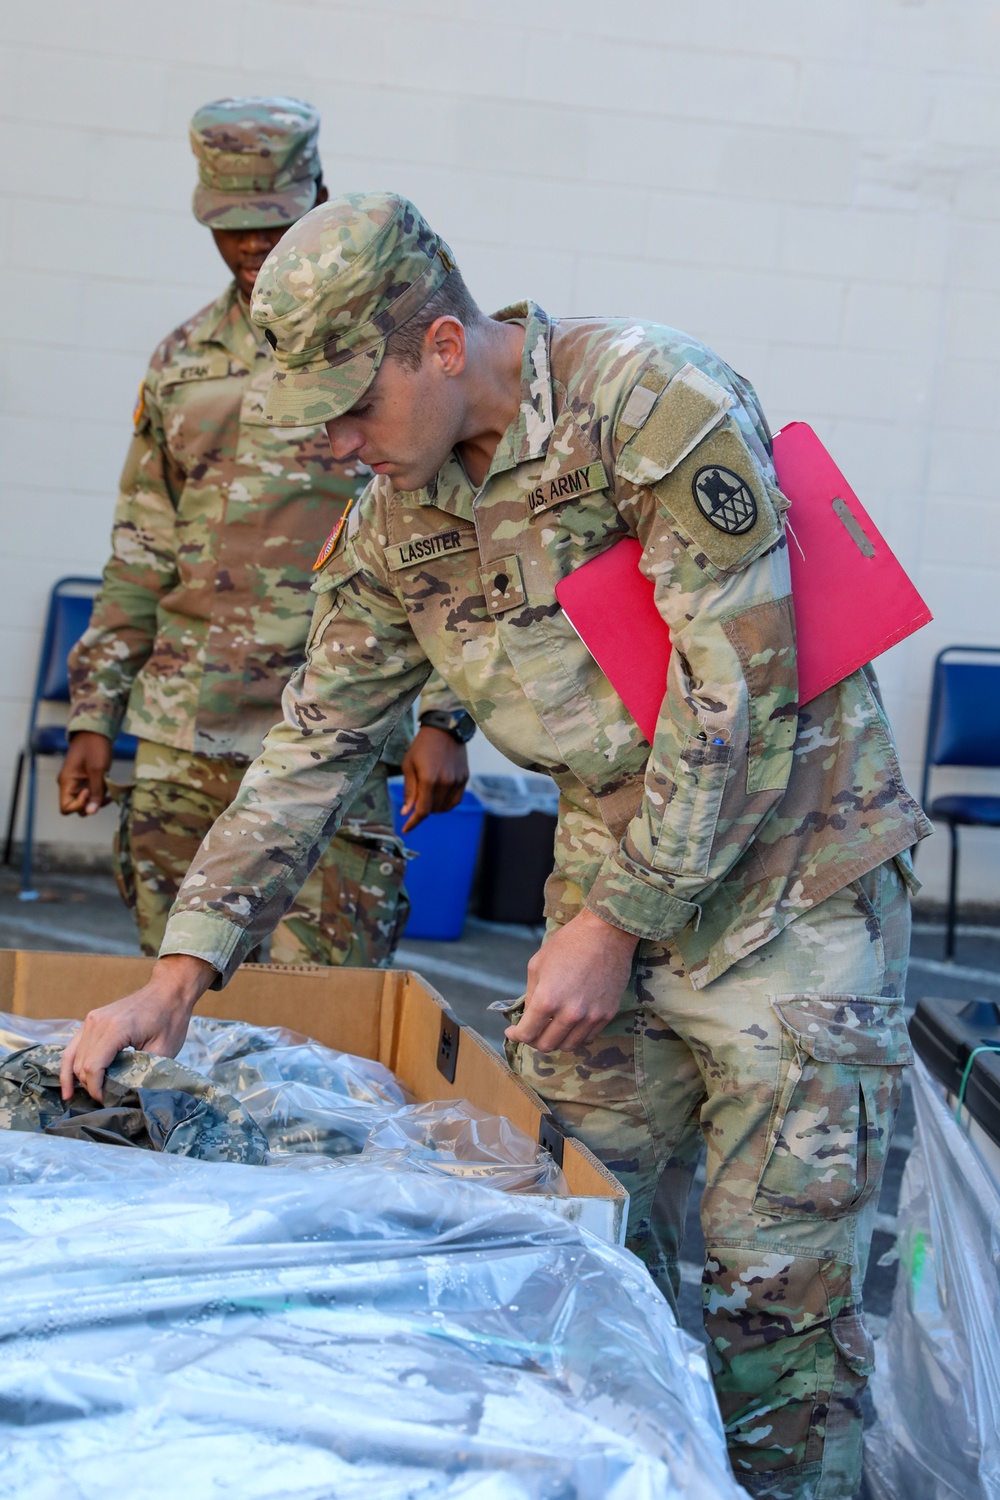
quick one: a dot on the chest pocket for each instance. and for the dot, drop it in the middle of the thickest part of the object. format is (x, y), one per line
(199, 398)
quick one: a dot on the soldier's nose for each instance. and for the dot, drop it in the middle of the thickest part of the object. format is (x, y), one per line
(344, 441)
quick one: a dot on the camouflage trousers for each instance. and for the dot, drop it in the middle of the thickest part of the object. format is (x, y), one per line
(787, 1070)
(351, 909)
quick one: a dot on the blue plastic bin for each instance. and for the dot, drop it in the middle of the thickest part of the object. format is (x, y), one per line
(438, 882)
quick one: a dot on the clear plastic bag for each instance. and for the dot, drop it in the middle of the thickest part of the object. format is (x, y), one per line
(937, 1379)
(304, 1096)
(174, 1327)
(514, 796)
(455, 1138)
(311, 1100)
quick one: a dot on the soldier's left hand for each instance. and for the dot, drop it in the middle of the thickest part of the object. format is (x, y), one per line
(435, 771)
(575, 984)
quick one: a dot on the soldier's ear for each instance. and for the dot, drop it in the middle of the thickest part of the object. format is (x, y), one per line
(445, 341)
(322, 192)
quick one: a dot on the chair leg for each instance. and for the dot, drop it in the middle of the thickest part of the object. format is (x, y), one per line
(27, 892)
(15, 798)
(949, 945)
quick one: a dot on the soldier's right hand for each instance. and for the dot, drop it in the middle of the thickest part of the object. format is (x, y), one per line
(153, 1019)
(83, 785)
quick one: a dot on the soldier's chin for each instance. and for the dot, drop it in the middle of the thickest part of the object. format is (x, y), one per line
(403, 480)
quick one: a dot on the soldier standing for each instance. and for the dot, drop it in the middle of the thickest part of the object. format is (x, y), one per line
(728, 916)
(204, 609)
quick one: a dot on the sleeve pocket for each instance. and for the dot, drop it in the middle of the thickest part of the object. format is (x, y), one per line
(327, 609)
(328, 588)
(687, 828)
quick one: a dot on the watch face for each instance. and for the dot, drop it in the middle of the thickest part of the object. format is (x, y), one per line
(461, 726)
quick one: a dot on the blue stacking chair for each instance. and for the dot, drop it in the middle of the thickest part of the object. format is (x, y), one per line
(963, 729)
(68, 615)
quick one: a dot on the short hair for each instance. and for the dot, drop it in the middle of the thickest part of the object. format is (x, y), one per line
(452, 299)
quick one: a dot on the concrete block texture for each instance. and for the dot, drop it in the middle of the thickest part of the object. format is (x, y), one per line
(812, 189)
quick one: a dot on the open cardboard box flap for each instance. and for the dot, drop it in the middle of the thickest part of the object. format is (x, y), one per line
(393, 1016)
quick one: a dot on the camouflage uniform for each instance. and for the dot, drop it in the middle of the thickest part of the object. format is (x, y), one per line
(757, 848)
(787, 1069)
(205, 605)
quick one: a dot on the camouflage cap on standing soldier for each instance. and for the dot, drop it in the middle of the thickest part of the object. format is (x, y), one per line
(258, 162)
(330, 294)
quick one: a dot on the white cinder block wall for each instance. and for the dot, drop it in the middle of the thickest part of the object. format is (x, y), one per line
(812, 188)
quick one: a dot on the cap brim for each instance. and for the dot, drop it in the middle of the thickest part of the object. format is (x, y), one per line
(270, 210)
(300, 398)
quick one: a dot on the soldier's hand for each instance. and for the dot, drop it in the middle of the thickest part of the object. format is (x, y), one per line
(154, 1019)
(575, 984)
(83, 786)
(435, 771)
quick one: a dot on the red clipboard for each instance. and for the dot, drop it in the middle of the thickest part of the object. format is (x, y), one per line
(851, 597)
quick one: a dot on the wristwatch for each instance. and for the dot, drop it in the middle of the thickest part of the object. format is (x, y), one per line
(461, 726)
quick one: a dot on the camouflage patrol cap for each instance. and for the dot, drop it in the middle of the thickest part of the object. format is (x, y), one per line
(257, 162)
(332, 291)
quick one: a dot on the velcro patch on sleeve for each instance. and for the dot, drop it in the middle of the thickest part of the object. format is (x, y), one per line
(687, 410)
(718, 501)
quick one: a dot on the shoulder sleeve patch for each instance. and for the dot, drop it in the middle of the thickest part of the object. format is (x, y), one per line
(140, 417)
(660, 430)
(719, 502)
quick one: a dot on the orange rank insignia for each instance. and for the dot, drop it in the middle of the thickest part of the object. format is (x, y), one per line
(327, 549)
(139, 410)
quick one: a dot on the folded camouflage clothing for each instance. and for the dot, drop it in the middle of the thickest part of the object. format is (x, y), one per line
(153, 1103)
(262, 1095)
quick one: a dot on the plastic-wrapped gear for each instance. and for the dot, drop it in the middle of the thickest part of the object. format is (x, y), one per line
(937, 1381)
(150, 1102)
(455, 1138)
(304, 1096)
(331, 1328)
(309, 1100)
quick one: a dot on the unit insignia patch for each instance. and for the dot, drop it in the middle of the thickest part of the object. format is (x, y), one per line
(725, 500)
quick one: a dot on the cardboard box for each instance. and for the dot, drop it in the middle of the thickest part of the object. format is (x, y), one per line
(390, 1015)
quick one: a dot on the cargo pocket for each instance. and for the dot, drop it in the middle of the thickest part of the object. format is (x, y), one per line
(829, 1132)
(382, 905)
(687, 829)
(123, 863)
(854, 1344)
(393, 861)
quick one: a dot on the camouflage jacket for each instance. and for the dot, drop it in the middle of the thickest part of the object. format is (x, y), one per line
(744, 812)
(205, 603)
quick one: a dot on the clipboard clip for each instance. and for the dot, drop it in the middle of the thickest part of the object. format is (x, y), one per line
(852, 526)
